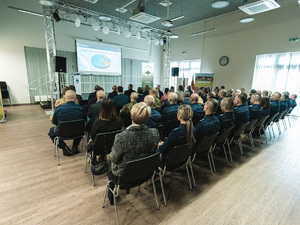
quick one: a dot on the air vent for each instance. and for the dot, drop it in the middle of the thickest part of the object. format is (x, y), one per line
(91, 1)
(259, 7)
(145, 18)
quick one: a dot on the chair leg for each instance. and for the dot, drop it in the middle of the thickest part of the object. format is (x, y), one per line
(251, 140)
(261, 140)
(211, 170)
(213, 162)
(162, 188)
(192, 172)
(273, 131)
(86, 158)
(115, 202)
(57, 151)
(188, 174)
(278, 126)
(240, 145)
(225, 151)
(289, 120)
(229, 151)
(93, 179)
(154, 190)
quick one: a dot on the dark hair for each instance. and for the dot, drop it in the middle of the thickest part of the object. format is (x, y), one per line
(64, 89)
(180, 87)
(140, 90)
(212, 104)
(120, 89)
(245, 95)
(222, 87)
(108, 110)
(98, 88)
(286, 94)
(166, 90)
(253, 91)
(265, 102)
(228, 103)
(242, 97)
(72, 87)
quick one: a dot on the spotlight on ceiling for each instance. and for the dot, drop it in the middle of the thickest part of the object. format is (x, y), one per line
(96, 26)
(105, 29)
(247, 19)
(56, 16)
(46, 2)
(104, 18)
(77, 22)
(219, 4)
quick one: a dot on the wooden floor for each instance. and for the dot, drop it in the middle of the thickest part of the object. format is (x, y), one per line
(261, 187)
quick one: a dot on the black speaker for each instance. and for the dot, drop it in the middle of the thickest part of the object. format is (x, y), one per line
(60, 64)
(175, 72)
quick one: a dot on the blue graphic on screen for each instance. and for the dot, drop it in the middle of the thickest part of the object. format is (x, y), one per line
(101, 61)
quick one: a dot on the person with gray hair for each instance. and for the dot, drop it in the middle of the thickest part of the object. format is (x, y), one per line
(241, 111)
(275, 104)
(255, 108)
(227, 118)
(265, 93)
(94, 109)
(186, 100)
(170, 112)
(155, 118)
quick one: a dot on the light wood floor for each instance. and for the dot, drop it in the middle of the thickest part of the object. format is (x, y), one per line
(261, 187)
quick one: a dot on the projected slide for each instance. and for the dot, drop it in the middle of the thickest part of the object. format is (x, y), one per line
(98, 58)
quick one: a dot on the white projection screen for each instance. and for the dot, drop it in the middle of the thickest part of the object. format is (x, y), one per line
(98, 58)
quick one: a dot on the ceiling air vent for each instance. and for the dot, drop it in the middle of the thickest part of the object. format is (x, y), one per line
(91, 1)
(145, 18)
(259, 6)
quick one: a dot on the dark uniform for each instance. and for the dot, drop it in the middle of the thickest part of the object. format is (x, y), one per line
(154, 120)
(275, 107)
(198, 112)
(255, 111)
(209, 125)
(241, 114)
(169, 113)
(226, 120)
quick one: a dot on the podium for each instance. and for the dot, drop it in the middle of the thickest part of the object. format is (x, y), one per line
(2, 113)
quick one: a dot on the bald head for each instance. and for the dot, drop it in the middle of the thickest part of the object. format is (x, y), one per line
(194, 98)
(70, 96)
(134, 96)
(172, 97)
(149, 100)
(100, 95)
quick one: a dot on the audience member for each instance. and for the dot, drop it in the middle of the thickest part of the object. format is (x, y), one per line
(275, 104)
(288, 100)
(293, 98)
(92, 97)
(258, 92)
(242, 90)
(129, 91)
(253, 91)
(205, 92)
(217, 90)
(61, 101)
(283, 102)
(140, 95)
(155, 118)
(184, 134)
(186, 96)
(145, 142)
(180, 94)
(121, 99)
(229, 93)
(94, 109)
(114, 92)
(265, 93)
(266, 105)
(160, 93)
(170, 112)
(227, 118)
(172, 89)
(222, 87)
(210, 124)
(125, 112)
(200, 94)
(222, 94)
(153, 93)
(198, 113)
(146, 90)
(241, 111)
(189, 89)
(67, 112)
(255, 108)
(211, 95)
(78, 97)
(165, 96)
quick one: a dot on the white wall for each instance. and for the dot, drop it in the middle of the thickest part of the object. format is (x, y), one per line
(19, 29)
(269, 33)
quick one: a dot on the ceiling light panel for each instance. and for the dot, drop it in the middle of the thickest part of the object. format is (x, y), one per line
(165, 3)
(91, 1)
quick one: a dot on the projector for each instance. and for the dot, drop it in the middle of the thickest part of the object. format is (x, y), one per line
(167, 23)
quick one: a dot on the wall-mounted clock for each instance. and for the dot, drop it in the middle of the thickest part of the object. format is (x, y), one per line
(224, 60)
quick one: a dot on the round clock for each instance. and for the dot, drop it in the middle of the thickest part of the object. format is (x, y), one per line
(224, 60)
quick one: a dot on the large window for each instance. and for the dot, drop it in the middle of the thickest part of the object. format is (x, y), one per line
(278, 72)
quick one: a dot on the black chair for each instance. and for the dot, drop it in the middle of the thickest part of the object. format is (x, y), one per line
(69, 130)
(238, 131)
(222, 139)
(288, 115)
(160, 129)
(269, 124)
(101, 146)
(278, 118)
(179, 156)
(249, 130)
(169, 126)
(136, 173)
(4, 91)
(206, 146)
(259, 126)
(283, 118)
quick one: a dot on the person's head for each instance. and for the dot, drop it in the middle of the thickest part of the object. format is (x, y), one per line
(234, 94)
(108, 110)
(130, 86)
(158, 87)
(185, 115)
(140, 113)
(186, 94)
(222, 87)
(98, 88)
(134, 96)
(140, 90)
(242, 90)
(70, 96)
(265, 93)
(146, 88)
(149, 100)
(227, 104)
(275, 96)
(211, 95)
(258, 92)
(194, 98)
(153, 92)
(166, 90)
(189, 87)
(265, 102)
(222, 93)
(285, 95)
(240, 100)
(210, 106)
(100, 95)
(255, 99)
(216, 90)
(180, 88)
(172, 88)
(120, 89)
(114, 87)
(200, 93)
(64, 89)
(293, 97)
(253, 91)
(172, 97)
(245, 95)
(72, 87)
(229, 91)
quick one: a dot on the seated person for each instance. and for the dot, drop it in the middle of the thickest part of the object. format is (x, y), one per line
(227, 118)
(146, 90)
(283, 102)
(265, 93)
(288, 100)
(189, 89)
(120, 100)
(62, 101)
(241, 111)
(275, 104)
(94, 109)
(170, 112)
(184, 134)
(92, 97)
(114, 92)
(266, 105)
(78, 97)
(253, 91)
(125, 112)
(129, 91)
(67, 112)
(164, 97)
(140, 95)
(160, 93)
(186, 96)
(108, 120)
(135, 142)
(155, 118)
(255, 108)
(210, 124)
(180, 94)
(230, 92)
(293, 98)
(153, 92)
(222, 94)
(198, 113)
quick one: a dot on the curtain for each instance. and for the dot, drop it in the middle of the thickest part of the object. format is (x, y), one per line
(278, 72)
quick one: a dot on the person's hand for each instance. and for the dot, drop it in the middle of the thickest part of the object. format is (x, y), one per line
(160, 143)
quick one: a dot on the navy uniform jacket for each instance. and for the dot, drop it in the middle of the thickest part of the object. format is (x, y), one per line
(209, 125)
(289, 103)
(275, 107)
(146, 93)
(204, 97)
(121, 100)
(154, 120)
(265, 112)
(241, 114)
(128, 92)
(140, 98)
(220, 100)
(186, 101)
(294, 103)
(169, 113)
(283, 105)
(198, 111)
(111, 95)
(248, 100)
(178, 136)
(226, 120)
(67, 112)
(255, 112)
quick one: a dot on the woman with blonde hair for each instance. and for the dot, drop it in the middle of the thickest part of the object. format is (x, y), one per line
(184, 134)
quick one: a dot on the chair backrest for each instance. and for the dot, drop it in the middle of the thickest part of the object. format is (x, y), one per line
(250, 126)
(240, 130)
(261, 121)
(271, 118)
(169, 126)
(3, 85)
(178, 156)
(286, 112)
(104, 142)
(279, 116)
(71, 128)
(139, 170)
(205, 144)
(223, 135)
(160, 129)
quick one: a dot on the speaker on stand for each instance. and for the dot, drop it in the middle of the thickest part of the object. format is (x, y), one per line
(60, 66)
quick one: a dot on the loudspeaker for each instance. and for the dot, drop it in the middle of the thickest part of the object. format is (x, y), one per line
(175, 72)
(60, 64)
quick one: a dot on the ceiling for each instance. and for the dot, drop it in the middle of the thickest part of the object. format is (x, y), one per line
(192, 10)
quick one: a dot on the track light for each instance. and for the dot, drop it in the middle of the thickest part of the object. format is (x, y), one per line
(77, 22)
(138, 35)
(56, 16)
(96, 26)
(105, 29)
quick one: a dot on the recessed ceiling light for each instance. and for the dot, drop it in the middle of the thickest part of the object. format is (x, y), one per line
(246, 20)
(46, 2)
(104, 18)
(220, 4)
